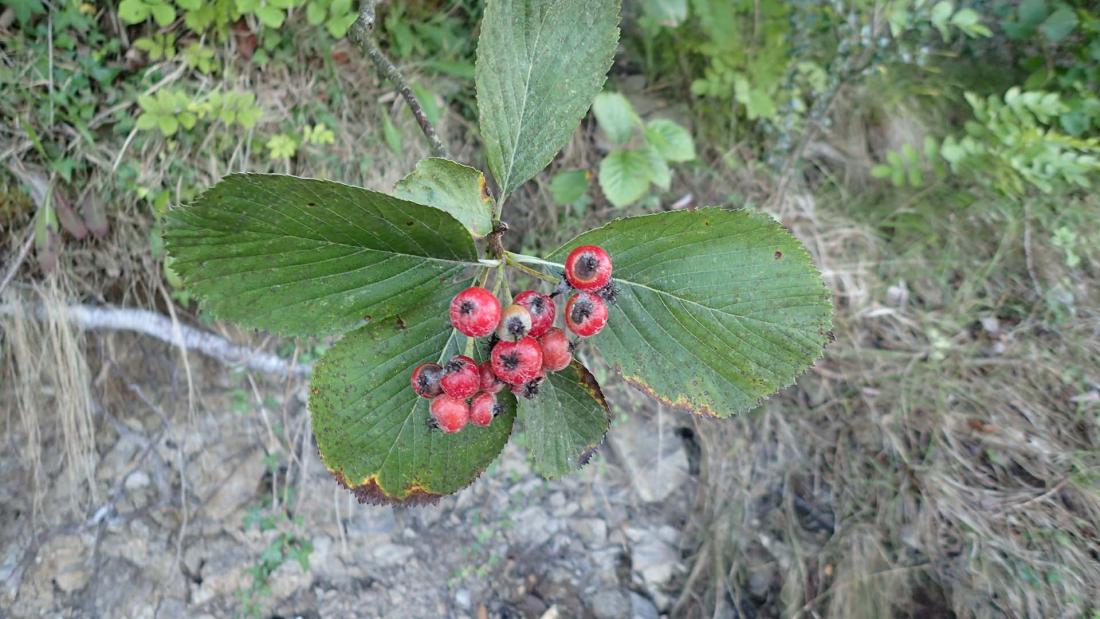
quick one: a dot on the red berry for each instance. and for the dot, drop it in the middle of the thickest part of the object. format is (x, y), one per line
(557, 351)
(542, 310)
(585, 314)
(530, 389)
(483, 408)
(517, 362)
(425, 380)
(489, 381)
(450, 414)
(475, 312)
(588, 267)
(461, 377)
(515, 322)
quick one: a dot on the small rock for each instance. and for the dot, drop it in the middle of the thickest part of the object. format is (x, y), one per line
(462, 598)
(655, 561)
(610, 604)
(137, 480)
(641, 607)
(391, 554)
(288, 579)
(591, 531)
(654, 458)
(534, 526)
(760, 579)
(65, 563)
(237, 490)
(557, 500)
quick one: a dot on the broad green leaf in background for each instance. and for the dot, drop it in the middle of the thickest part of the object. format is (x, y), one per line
(452, 187)
(391, 135)
(1059, 25)
(717, 309)
(371, 428)
(671, 140)
(615, 115)
(311, 257)
(659, 172)
(565, 422)
(568, 186)
(539, 64)
(669, 13)
(625, 175)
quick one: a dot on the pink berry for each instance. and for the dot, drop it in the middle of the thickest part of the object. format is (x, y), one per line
(475, 312)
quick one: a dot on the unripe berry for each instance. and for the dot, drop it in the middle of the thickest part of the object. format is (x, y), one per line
(450, 414)
(461, 377)
(489, 381)
(588, 267)
(515, 322)
(475, 312)
(425, 380)
(585, 314)
(541, 308)
(483, 408)
(557, 350)
(517, 362)
(530, 389)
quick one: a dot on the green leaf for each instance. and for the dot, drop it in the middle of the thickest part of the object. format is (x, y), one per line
(624, 176)
(669, 13)
(338, 25)
(1059, 25)
(303, 256)
(672, 141)
(539, 64)
(568, 187)
(717, 309)
(391, 135)
(940, 14)
(615, 116)
(315, 13)
(163, 14)
(371, 428)
(451, 187)
(565, 422)
(270, 16)
(659, 173)
(133, 11)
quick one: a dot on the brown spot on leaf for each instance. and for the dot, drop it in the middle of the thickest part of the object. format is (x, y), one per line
(483, 187)
(368, 318)
(778, 254)
(312, 205)
(681, 402)
(410, 223)
(371, 492)
(399, 323)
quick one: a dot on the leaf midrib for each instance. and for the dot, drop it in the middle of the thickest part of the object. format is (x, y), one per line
(666, 293)
(337, 243)
(523, 104)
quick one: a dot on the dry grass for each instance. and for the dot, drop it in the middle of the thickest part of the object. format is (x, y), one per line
(45, 363)
(943, 457)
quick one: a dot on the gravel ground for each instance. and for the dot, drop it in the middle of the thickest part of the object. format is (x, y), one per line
(191, 505)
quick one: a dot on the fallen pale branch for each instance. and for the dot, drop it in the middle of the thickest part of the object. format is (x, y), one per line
(93, 318)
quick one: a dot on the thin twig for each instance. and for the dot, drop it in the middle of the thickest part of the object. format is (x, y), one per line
(18, 261)
(361, 33)
(160, 327)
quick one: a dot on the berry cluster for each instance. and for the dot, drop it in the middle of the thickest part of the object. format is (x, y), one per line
(524, 344)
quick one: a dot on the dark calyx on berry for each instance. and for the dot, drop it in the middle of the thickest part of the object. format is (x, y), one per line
(588, 267)
(529, 389)
(515, 322)
(425, 380)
